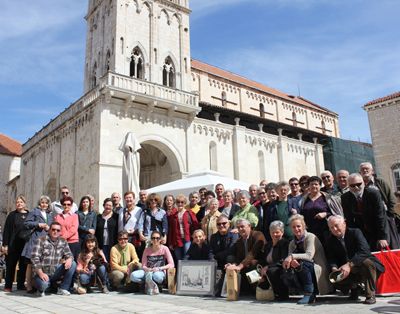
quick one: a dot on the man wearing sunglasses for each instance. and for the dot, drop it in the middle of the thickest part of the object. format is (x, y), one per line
(221, 243)
(57, 208)
(363, 208)
(52, 261)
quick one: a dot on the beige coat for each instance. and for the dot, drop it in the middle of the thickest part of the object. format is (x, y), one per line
(209, 224)
(314, 252)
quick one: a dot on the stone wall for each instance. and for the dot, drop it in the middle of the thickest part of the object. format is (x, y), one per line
(384, 120)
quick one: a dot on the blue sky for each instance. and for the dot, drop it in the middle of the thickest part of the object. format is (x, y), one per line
(338, 53)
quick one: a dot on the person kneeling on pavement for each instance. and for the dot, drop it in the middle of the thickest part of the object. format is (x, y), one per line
(154, 265)
(123, 260)
(92, 266)
(52, 261)
(246, 253)
(350, 257)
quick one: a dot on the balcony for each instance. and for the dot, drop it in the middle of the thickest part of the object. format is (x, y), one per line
(150, 93)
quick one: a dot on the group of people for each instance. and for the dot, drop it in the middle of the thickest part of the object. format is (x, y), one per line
(296, 233)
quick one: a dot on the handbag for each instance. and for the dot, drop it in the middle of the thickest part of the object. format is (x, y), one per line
(388, 282)
(254, 275)
(265, 294)
(25, 234)
(151, 287)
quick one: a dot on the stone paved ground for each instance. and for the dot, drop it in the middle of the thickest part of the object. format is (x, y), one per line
(20, 302)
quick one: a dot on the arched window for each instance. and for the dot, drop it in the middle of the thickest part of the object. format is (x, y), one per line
(94, 75)
(107, 65)
(213, 157)
(262, 110)
(323, 127)
(294, 118)
(396, 176)
(223, 99)
(169, 73)
(136, 68)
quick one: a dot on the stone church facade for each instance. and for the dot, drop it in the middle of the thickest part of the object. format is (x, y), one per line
(384, 117)
(188, 116)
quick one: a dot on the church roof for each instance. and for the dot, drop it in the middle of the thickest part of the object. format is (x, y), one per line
(8, 146)
(382, 99)
(204, 67)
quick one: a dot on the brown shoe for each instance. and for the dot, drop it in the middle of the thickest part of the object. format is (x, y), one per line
(370, 300)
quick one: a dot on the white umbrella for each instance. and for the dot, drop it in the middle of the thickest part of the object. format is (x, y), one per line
(193, 182)
(131, 164)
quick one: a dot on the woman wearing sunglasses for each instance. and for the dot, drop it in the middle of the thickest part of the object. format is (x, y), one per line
(156, 260)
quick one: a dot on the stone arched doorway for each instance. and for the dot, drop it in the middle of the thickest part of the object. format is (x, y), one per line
(158, 164)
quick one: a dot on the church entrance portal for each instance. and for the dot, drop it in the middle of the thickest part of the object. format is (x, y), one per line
(158, 165)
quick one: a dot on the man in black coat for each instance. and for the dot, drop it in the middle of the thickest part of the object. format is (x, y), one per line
(348, 251)
(363, 208)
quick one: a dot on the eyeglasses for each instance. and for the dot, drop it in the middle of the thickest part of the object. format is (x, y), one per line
(180, 202)
(55, 230)
(67, 204)
(358, 185)
(219, 224)
(294, 183)
(123, 239)
(66, 193)
(155, 238)
(325, 177)
(304, 184)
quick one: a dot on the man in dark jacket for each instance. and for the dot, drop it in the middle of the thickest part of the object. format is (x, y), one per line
(363, 208)
(348, 251)
(222, 241)
(246, 253)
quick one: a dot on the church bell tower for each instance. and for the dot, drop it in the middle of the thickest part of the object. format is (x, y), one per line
(143, 39)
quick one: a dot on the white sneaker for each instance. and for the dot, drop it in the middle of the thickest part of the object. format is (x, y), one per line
(63, 292)
(40, 293)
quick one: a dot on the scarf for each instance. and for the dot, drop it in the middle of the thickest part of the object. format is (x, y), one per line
(123, 252)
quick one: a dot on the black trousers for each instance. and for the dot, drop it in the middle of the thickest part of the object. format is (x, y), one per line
(12, 259)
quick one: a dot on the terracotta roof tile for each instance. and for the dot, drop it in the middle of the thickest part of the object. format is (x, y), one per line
(204, 67)
(382, 99)
(8, 146)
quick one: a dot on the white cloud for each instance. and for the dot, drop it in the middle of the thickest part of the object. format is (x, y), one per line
(24, 17)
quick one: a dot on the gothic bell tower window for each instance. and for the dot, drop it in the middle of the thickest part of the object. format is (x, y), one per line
(168, 73)
(136, 65)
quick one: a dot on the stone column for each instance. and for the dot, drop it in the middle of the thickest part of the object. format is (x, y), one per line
(316, 153)
(281, 168)
(238, 141)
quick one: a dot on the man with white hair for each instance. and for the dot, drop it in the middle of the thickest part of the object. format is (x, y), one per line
(329, 183)
(348, 252)
(368, 174)
(363, 208)
(246, 252)
(341, 179)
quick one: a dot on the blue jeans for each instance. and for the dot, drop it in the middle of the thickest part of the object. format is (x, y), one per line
(86, 279)
(306, 277)
(138, 276)
(180, 252)
(60, 271)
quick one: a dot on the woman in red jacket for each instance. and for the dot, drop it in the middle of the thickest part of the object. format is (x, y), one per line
(179, 222)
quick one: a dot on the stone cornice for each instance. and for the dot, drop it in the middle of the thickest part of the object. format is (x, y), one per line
(175, 4)
(387, 103)
(212, 131)
(255, 140)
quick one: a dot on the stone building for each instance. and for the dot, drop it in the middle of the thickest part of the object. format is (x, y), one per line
(384, 117)
(10, 152)
(187, 115)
